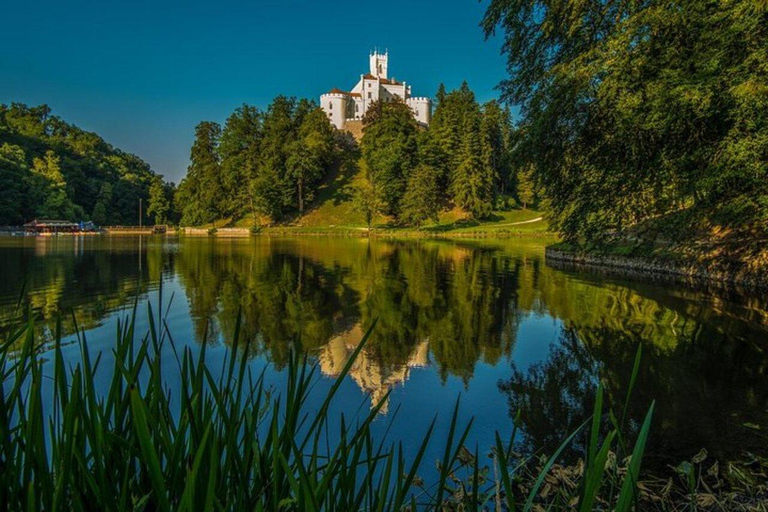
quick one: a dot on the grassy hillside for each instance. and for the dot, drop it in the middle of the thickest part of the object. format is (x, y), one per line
(333, 211)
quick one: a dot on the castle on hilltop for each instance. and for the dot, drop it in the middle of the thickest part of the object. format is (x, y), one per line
(343, 107)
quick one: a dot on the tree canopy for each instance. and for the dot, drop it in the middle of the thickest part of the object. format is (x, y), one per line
(270, 164)
(632, 110)
(263, 163)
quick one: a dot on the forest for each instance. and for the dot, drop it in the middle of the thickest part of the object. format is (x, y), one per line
(52, 169)
(269, 164)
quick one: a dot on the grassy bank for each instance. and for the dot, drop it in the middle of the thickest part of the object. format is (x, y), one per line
(343, 223)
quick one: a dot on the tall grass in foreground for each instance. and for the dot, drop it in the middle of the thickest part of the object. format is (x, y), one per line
(229, 443)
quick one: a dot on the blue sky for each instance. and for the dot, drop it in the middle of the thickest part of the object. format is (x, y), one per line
(142, 74)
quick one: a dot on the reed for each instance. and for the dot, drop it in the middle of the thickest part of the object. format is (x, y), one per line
(222, 440)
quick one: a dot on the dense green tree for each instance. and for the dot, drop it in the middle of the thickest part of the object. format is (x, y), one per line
(272, 190)
(159, 205)
(55, 203)
(496, 133)
(526, 186)
(239, 150)
(633, 110)
(365, 200)
(448, 125)
(310, 155)
(472, 180)
(389, 148)
(100, 214)
(421, 201)
(201, 191)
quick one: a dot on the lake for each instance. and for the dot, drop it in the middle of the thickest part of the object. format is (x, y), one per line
(487, 320)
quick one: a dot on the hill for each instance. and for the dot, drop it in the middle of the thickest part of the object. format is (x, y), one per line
(50, 168)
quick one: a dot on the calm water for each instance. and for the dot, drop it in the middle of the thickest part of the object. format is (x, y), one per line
(487, 320)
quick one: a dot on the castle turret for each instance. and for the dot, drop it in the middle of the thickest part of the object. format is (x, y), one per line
(334, 104)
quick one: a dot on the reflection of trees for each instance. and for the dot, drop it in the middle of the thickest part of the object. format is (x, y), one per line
(90, 277)
(458, 299)
(554, 397)
(283, 296)
(451, 304)
(703, 362)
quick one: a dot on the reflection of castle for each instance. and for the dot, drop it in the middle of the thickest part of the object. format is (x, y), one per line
(367, 371)
(342, 106)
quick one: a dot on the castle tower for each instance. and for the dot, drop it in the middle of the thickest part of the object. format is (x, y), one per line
(379, 64)
(335, 104)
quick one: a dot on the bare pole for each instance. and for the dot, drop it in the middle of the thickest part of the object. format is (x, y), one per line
(140, 224)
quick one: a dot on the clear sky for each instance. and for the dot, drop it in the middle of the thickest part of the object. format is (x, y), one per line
(143, 73)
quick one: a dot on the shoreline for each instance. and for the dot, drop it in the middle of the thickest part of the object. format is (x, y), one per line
(729, 275)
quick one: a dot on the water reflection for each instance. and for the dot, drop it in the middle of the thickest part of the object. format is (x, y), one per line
(451, 308)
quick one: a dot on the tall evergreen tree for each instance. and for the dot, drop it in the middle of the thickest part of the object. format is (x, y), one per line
(310, 155)
(272, 190)
(447, 126)
(159, 205)
(472, 183)
(526, 186)
(496, 131)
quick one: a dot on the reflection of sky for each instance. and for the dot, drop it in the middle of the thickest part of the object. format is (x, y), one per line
(534, 337)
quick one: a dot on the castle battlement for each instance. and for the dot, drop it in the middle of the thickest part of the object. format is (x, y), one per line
(343, 106)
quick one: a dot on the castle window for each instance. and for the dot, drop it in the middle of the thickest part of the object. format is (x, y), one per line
(417, 112)
(357, 108)
(369, 95)
(330, 106)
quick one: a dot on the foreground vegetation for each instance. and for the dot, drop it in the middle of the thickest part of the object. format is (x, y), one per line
(227, 442)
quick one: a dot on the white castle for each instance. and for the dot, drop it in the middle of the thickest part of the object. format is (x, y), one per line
(342, 106)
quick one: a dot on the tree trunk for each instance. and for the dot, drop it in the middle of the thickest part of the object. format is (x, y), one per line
(301, 197)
